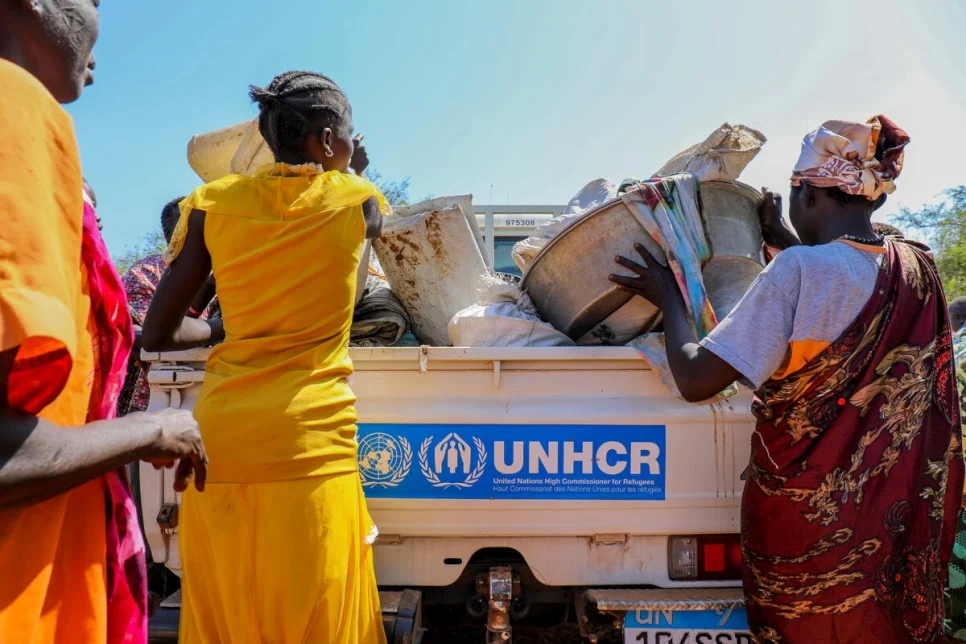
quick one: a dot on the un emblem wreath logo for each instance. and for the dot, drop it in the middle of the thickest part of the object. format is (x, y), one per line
(384, 461)
(452, 454)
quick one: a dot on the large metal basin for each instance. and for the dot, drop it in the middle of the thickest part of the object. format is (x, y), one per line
(734, 230)
(568, 280)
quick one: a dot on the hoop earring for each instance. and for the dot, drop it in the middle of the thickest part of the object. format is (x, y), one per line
(329, 153)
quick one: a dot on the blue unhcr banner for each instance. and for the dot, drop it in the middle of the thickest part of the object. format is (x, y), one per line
(617, 462)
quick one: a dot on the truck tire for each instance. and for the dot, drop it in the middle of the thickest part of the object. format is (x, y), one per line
(402, 618)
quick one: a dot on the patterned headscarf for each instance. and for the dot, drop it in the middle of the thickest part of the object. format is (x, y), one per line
(857, 158)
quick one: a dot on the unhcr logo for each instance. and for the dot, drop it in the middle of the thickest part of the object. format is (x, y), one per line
(447, 461)
(451, 462)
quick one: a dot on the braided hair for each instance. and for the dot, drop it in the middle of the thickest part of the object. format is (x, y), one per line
(295, 104)
(169, 217)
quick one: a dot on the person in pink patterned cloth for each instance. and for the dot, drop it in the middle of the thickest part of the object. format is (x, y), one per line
(140, 282)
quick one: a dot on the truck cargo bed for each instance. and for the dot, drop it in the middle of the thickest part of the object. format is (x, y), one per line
(576, 458)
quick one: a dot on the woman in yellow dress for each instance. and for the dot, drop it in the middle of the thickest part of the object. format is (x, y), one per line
(278, 549)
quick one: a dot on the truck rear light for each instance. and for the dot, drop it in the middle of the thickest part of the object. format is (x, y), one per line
(713, 558)
(682, 558)
(704, 557)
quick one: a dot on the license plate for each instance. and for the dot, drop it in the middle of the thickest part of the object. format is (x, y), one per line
(725, 626)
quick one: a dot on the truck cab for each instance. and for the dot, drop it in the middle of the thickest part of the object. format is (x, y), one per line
(504, 226)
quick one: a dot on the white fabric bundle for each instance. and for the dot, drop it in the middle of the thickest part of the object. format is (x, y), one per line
(503, 317)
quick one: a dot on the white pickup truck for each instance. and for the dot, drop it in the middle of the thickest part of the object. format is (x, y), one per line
(511, 483)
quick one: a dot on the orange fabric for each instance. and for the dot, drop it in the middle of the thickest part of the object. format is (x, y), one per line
(879, 250)
(53, 553)
(800, 353)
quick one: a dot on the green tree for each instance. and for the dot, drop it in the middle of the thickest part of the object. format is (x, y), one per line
(397, 192)
(944, 226)
(151, 243)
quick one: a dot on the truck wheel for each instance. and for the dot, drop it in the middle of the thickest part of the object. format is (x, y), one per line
(402, 616)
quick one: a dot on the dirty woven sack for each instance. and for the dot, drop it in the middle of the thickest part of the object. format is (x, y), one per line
(465, 202)
(720, 157)
(504, 317)
(434, 266)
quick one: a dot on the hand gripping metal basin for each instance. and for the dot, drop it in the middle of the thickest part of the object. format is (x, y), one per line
(733, 226)
(568, 280)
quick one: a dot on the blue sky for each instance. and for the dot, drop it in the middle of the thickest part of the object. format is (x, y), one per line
(523, 100)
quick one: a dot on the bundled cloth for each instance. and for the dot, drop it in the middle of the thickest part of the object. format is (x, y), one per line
(503, 317)
(668, 210)
(379, 320)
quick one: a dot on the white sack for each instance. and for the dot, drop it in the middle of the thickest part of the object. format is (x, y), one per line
(505, 317)
(721, 157)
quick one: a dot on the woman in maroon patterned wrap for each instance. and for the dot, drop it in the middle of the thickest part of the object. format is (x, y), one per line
(850, 508)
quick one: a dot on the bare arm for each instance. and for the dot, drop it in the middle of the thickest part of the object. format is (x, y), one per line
(203, 298)
(698, 373)
(773, 228)
(370, 207)
(166, 327)
(39, 460)
(373, 218)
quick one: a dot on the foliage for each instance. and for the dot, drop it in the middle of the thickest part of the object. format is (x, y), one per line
(397, 192)
(151, 243)
(944, 226)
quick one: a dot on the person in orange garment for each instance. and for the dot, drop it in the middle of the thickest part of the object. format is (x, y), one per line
(70, 547)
